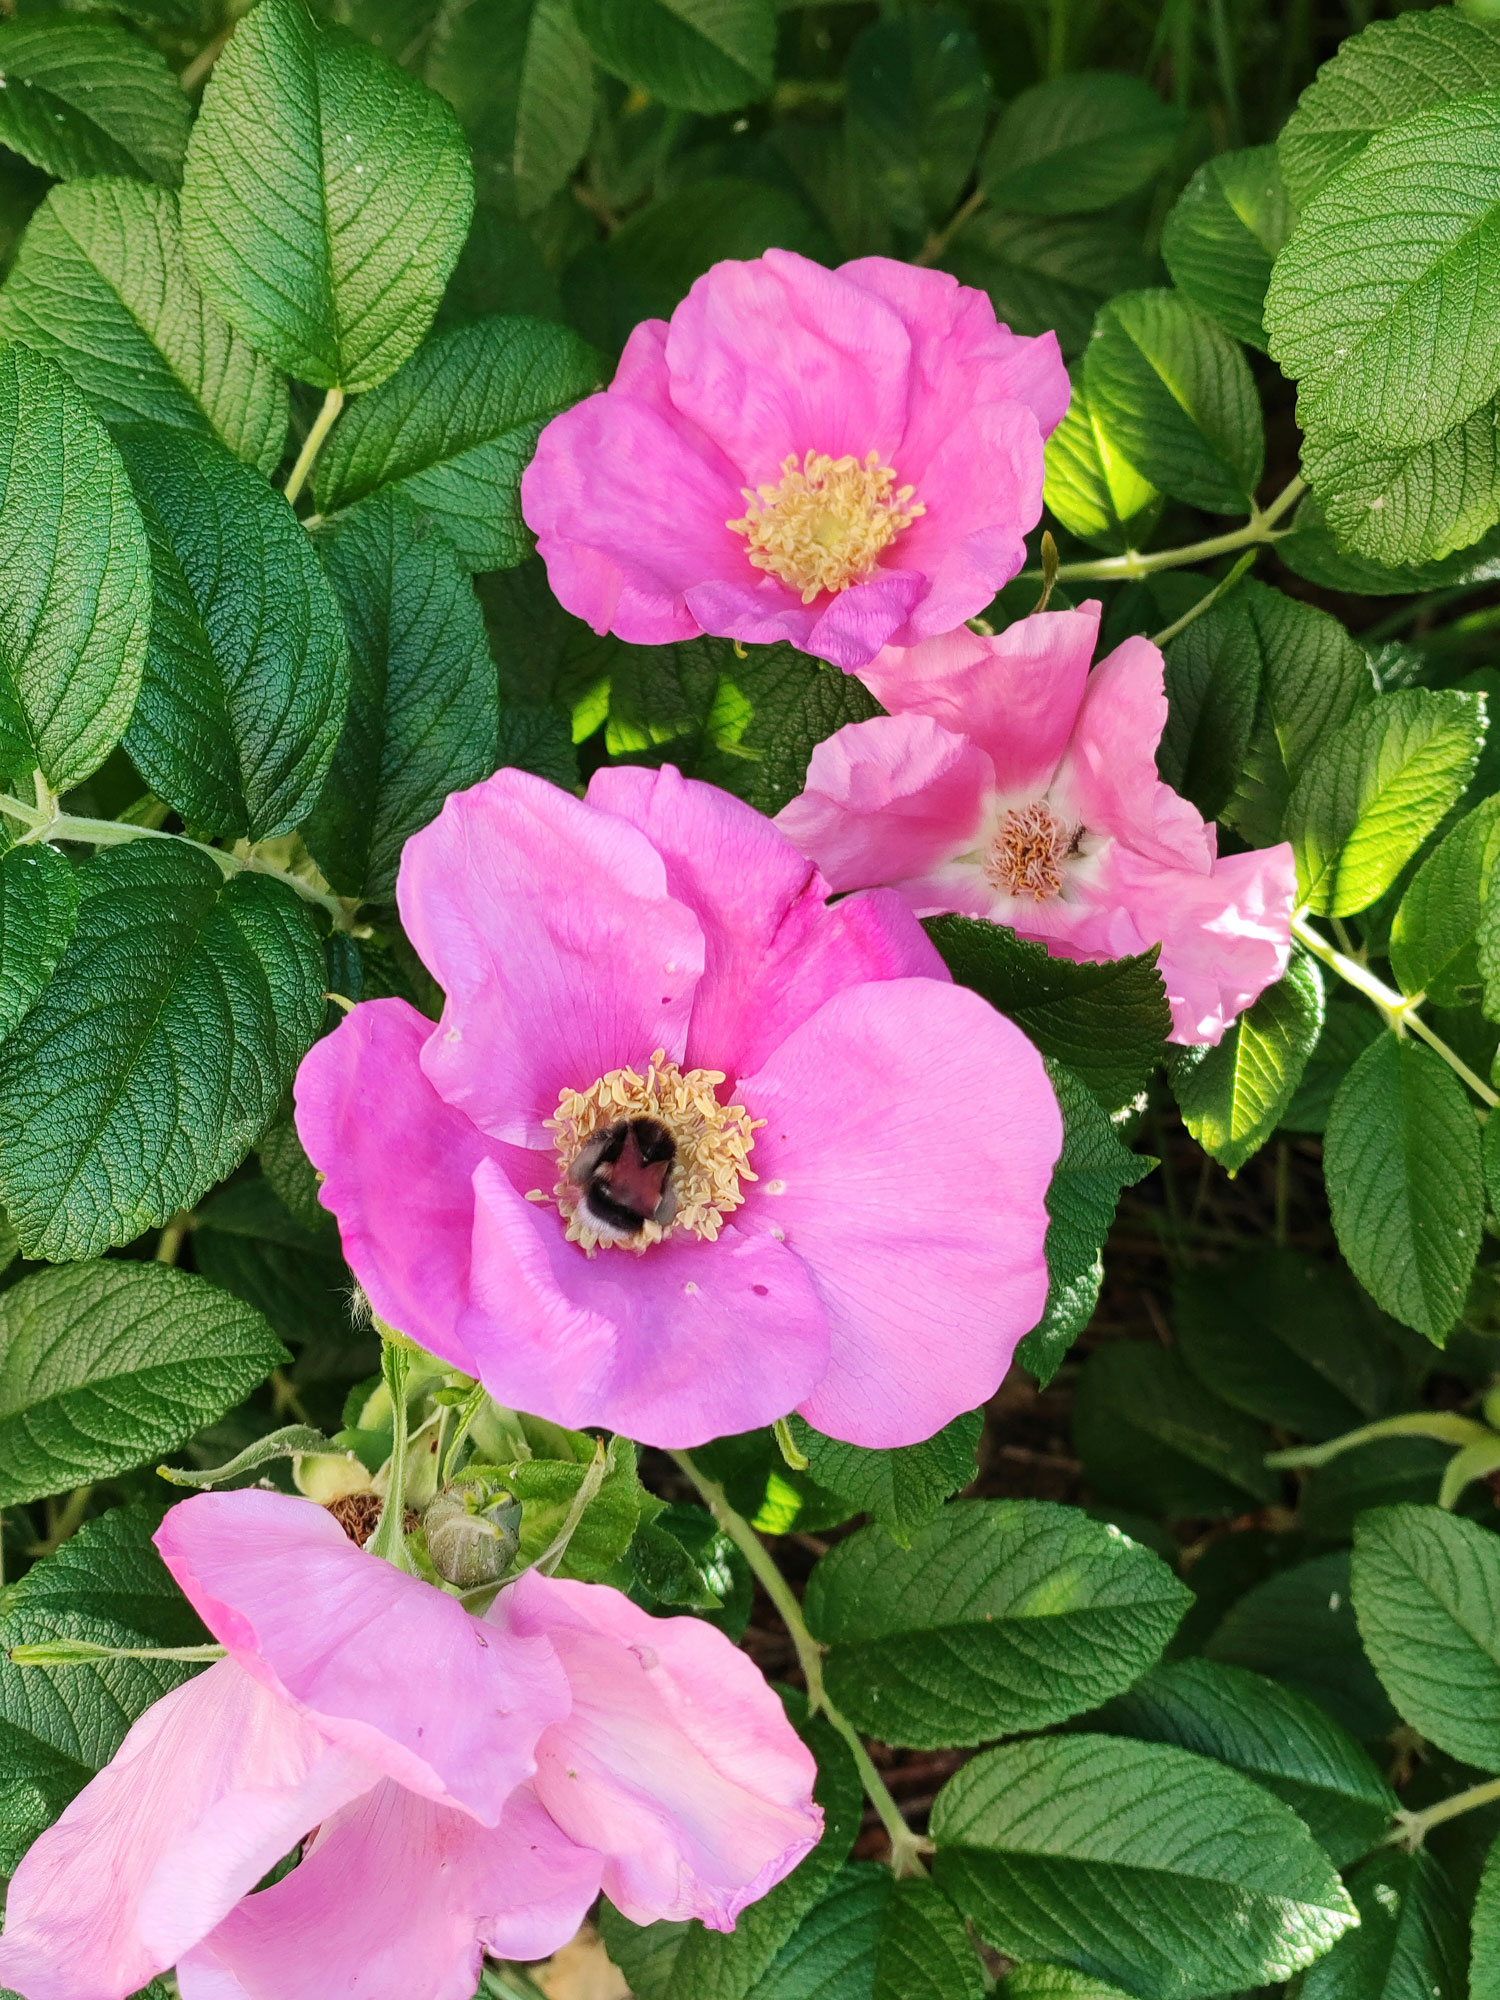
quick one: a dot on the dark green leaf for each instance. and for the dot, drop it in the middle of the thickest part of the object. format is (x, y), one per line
(247, 1243)
(917, 102)
(1150, 1435)
(86, 97)
(1232, 1096)
(1077, 143)
(1414, 504)
(1410, 1944)
(1225, 233)
(874, 1938)
(38, 908)
(1484, 1974)
(1049, 273)
(691, 55)
(1433, 947)
(1310, 550)
(900, 1489)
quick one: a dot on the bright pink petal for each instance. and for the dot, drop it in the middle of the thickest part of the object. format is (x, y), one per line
(386, 1665)
(845, 627)
(910, 1138)
(774, 948)
(1016, 695)
(685, 1342)
(1108, 778)
(889, 799)
(550, 928)
(398, 1166)
(210, 1788)
(677, 1762)
(396, 1899)
(628, 515)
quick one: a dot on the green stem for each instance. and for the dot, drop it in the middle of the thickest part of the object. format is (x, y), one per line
(312, 444)
(64, 1523)
(1261, 527)
(1395, 1009)
(939, 240)
(173, 1236)
(1445, 1426)
(1412, 1828)
(907, 1848)
(83, 1653)
(389, 1538)
(1206, 603)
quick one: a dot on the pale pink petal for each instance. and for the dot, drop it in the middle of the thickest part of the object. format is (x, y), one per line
(1108, 778)
(909, 1142)
(888, 800)
(396, 1899)
(398, 1166)
(386, 1665)
(685, 1342)
(561, 953)
(611, 460)
(212, 1786)
(677, 1762)
(1016, 695)
(775, 950)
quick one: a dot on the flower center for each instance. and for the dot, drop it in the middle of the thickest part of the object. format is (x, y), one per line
(1026, 855)
(640, 1157)
(824, 525)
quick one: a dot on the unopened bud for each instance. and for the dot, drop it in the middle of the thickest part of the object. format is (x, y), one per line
(472, 1535)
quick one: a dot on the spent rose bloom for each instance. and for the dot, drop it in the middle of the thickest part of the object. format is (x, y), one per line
(472, 1782)
(1011, 783)
(840, 459)
(689, 1148)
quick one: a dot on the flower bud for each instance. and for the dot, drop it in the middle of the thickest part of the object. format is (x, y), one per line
(472, 1534)
(325, 1476)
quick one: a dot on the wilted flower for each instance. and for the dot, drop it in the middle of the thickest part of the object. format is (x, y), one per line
(688, 1148)
(835, 458)
(472, 1782)
(1011, 783)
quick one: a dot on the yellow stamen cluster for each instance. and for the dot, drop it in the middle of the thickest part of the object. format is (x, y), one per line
(1027, 853)
(713, 1143)
(824, 525)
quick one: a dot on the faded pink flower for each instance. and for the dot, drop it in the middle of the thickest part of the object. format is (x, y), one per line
(1011, 783)
(683, 1152)
(432, 1751)
(840, 459)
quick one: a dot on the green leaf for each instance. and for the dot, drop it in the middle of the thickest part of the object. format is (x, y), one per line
(1150, 1435)
(874, 1938)
(1224, 234)
(1309, 550)
(1276, 1736)
(101, 285)
(1135, 1861)
(38, 908)
(1107, 1023)
(900, 1489)
(288, 1442)
(691, 55)
(769, 714)
(1414, 504)
(1232, 1096)
(1081, 1201)
(1002, 1616)
(1056, 1982)
(106, 1585)
(1091, 487)
(1374, 789)
(247, 677)
(1389, 71)
(158, 1053)
(1426, 1588)
(924, 1951)
(1433, 946)
(521, 78)
(916, 104)
(75, 585)
(547, 1489)
(86, 97)
(1174, 395)
(1078, 142)
(1401, 1160)
(456, 428)
(105, 1366)
(248, 1243)
(669, 1961)
(1410, 1944)
(1383, 305)
(325, 198)
(422, 706)
(1484, 1973)
(1048, 273)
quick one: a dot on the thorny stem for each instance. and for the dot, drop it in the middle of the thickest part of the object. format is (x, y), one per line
(907, 1848)
(83, 1653)
(1397, 1011)
(1412, 1828)
(312, 444)
(1261, 527)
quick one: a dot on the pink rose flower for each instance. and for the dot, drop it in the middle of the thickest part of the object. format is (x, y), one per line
(1011, 783)
(689, 1148)
(840, 459)
(436, 1754)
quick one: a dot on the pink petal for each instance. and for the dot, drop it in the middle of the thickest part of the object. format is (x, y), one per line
(398, 1167)
(386, 1665)
(1016, 695)
(774, 949)
(845, 627)
(888, 800)
(550, 928)
(910, 1138)
(210, 1788)
(628, 514)
(677, 1762)
(396, 1900)
(687, 1341)
(1108, 775)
